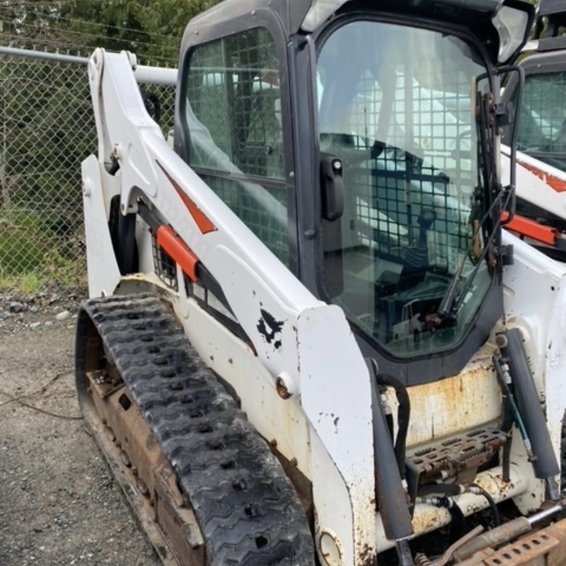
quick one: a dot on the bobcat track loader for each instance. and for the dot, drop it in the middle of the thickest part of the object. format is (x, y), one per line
(308, 341)
(541, 134)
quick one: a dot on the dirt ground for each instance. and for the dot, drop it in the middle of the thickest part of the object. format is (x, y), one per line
(58, 502)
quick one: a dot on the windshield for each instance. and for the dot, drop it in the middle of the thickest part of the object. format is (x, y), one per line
(397, 107)
(541, 131)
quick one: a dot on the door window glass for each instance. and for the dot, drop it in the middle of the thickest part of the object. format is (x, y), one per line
(397, 108)
(234, 117)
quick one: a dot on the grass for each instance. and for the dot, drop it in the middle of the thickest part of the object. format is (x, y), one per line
(28, 266)
(72, 277)
(33, 258)
(27, 284)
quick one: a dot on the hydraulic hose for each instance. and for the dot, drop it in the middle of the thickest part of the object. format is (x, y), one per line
(449, 490)
(456, 513)
(445, 489)
(475, 488)
(506, 426)
(544, 463)
(403, 414)
(501, 371)
(390, 495)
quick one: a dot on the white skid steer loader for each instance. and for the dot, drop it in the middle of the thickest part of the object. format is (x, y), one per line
(540, 134)
(308, 340)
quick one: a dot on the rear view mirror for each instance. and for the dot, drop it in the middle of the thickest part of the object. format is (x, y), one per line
(513, 24)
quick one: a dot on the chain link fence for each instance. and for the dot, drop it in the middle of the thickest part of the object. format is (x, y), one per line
(46, 129)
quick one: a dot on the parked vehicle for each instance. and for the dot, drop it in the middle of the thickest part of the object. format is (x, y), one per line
(308, 341)
(541, 134)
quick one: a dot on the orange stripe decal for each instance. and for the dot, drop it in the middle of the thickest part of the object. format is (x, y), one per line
(551, 180)
(178, 250)
(203, 222)
(531, 228)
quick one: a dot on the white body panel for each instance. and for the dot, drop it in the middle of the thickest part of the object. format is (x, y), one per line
(103, 272)
(535, 301)
(532, 182)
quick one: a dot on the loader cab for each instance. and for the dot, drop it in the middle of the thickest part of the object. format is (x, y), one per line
(541, 116)
(541, 119)
(358, 143)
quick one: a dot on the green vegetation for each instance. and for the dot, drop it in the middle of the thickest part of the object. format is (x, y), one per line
(150, 28)
(32, 256)
(46, 130)
(47, 127)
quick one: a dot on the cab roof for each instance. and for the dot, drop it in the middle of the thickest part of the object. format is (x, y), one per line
(304, 16)
(292, 13)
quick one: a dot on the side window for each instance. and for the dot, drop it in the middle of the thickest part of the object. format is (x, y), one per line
(542, 122)
(233, 113)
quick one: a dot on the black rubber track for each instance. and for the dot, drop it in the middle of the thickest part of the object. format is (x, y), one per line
(247, 508)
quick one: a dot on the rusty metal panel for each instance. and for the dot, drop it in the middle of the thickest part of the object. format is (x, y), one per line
(557, 556)
(444, 406)
(529, 550)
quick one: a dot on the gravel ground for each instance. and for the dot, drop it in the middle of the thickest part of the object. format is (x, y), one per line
(58, 502)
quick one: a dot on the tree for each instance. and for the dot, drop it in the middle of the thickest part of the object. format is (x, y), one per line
(151, 29)
(46, 125)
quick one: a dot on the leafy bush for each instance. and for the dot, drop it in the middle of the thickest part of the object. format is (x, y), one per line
(21, 250)
(32, 256)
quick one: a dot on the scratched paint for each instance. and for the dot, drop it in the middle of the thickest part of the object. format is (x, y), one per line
(455, 404)
(270, 328)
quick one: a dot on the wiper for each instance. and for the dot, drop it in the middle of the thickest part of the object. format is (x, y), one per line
(452, 298)
(447, 303)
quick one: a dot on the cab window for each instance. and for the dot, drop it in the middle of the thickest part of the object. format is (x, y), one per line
(234, 118)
